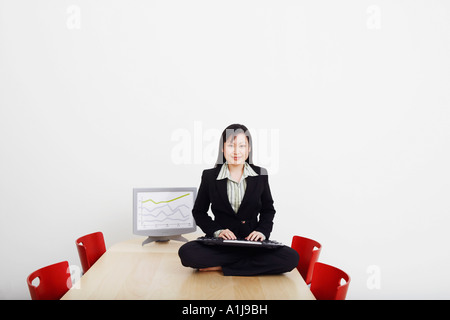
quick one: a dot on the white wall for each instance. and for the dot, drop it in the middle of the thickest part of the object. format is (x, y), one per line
(349, 100)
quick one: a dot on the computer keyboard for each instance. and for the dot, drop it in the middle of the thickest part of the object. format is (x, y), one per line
(268, 244)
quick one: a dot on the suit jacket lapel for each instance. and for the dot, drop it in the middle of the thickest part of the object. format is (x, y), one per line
(222, 190)
(251, 186)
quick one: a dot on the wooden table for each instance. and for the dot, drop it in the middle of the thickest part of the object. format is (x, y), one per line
(129, 270)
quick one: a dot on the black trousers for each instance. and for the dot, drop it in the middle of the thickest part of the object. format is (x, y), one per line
(239, 261)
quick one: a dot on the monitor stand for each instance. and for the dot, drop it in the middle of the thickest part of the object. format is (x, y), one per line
(164, 239)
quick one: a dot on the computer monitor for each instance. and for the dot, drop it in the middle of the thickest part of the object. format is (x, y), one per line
(163, 214)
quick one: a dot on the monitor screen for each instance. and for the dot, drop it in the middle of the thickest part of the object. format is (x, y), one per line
(159, 212)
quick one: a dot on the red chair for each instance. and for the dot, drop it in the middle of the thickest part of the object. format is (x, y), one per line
(90, 248)
(54, 282)
(309, 251)
(327, 284)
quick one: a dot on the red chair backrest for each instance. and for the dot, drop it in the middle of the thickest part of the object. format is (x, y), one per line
(54, 282)
(326, 282)
(309, 251)
(90, 248)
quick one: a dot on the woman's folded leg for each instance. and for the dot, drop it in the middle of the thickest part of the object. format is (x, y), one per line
(264, 261)
(199, 256)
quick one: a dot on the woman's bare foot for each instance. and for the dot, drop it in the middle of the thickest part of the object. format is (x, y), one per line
(219, 268)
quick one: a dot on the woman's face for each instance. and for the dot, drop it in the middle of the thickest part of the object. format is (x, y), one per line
(236, 149)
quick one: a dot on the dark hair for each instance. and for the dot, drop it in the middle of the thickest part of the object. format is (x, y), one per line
(232, 131)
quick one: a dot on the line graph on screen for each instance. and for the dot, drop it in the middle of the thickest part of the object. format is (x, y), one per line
(159, 210)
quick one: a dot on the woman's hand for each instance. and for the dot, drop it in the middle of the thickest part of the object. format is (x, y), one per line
(227, 234)
(255, 236)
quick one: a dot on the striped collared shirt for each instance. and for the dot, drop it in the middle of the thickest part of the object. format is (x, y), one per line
(236, 190)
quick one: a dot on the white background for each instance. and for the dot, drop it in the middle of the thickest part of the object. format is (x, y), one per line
(91, 93)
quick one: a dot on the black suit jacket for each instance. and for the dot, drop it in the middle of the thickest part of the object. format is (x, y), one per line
(256, 211)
